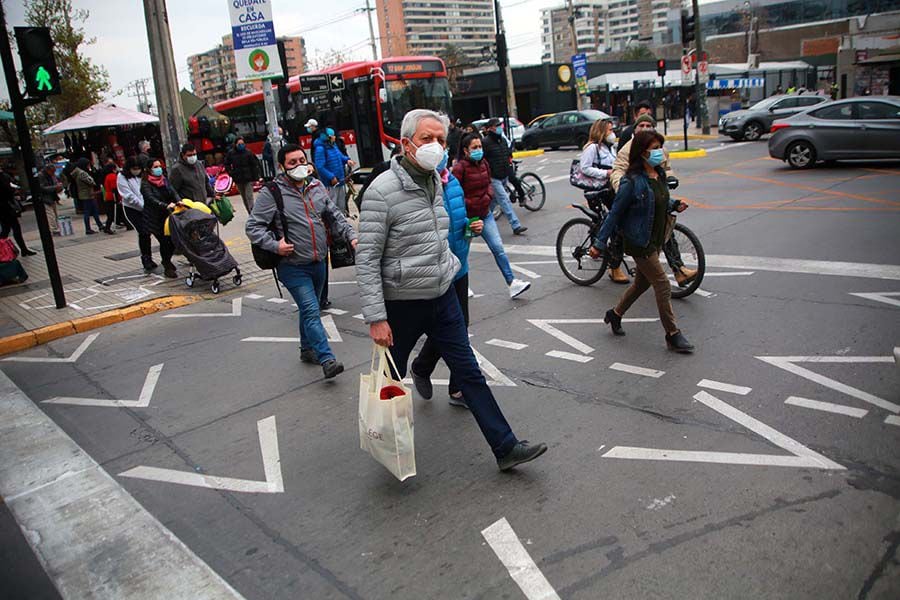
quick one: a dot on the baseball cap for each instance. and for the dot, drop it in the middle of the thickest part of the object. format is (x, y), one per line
(312, 123)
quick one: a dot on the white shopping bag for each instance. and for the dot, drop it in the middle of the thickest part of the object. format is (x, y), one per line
(386, 425)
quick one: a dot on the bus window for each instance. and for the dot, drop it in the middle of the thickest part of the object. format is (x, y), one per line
(249, 122)
(406, 94)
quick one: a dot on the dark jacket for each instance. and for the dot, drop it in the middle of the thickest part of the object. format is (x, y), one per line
(190, 181)
(329, 161)
(475, 179)
(84, 184)
(625, 136)
(144, 161)
(242, 165)
(156, 202)
(7, 194)
(632, 211)
(453, 139)
(497, 154)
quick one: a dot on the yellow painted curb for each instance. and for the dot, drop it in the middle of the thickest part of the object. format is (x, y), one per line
(689, 154)
(36, 337)
(700, 136)
(528, 153)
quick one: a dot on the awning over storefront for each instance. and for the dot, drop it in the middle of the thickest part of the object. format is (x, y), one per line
(624, 82)
(884, 58)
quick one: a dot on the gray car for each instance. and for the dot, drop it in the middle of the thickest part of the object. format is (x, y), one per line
(856, 128)
(752, 123)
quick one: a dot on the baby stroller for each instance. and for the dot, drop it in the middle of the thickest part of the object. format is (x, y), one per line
(193, 231)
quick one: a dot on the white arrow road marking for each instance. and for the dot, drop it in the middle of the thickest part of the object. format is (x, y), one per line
(802, 456)
(886, 297)
(526, 272)
(788, 364)
(268, 445)
(838, 409)
(505, 344)
(506, 545)
(235, 312)
(547, 326)
(637, 370)
(327, 322)
(569, 356)
(143, 400)
(494, 376)
(892, 420)
(70, 359)
(724, 387)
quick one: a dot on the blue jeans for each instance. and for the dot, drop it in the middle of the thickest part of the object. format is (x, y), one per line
(501, 197)
(305, 282)
(91, 209)
(491, 235)
(442, 321)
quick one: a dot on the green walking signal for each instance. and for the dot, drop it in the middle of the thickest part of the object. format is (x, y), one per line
(38, 64)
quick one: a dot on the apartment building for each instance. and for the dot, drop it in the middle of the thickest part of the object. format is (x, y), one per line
(415, 27)
(214, 76)
(600, 26)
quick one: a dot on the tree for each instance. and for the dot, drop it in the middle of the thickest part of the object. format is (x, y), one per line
(455, 60)
(329, 58)
(83, 83)
(638, 53)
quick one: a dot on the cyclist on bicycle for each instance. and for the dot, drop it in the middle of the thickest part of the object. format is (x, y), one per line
(645, 122)
(596, 165)
(498, 156)
(641, 210)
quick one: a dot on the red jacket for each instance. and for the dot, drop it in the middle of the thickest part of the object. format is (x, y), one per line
(109, 186)
(475, 178)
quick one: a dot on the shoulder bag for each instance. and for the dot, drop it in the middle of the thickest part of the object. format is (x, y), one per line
(263, 258)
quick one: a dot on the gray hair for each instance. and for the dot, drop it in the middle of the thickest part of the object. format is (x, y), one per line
(412, 119)
(143, 145)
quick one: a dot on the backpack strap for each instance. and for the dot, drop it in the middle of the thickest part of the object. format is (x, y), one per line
(273, 187)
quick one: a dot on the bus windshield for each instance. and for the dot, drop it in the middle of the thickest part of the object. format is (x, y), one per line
(403, 95)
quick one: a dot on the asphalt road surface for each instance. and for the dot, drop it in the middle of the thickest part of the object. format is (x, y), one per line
(763, 466)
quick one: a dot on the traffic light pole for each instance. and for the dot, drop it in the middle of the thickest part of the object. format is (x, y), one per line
(701, 87)
(18, 108)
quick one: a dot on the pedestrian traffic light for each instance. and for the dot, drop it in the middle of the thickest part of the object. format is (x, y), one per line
(38, 64)
(661, 67)
(687, 28)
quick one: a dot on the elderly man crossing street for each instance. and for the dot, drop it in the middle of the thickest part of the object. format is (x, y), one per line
(405, 271)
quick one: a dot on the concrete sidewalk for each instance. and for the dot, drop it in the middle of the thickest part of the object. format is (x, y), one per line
(103, 272)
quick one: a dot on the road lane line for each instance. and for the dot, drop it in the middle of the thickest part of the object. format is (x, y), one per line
(829, 407)
(236, 310)
(143, 400)
(802, 457)
(886, 297)
(505, 344)
(85, 517)
(253, 296)
(555, 179)
(724, 387)
(892, 420)
(526, 272)
(70, 359)
(506, 545)
(569, 356)
(335, 311)
(331, 329)
(637, 370)
(728, 147)
(808, 188)
(277, 300)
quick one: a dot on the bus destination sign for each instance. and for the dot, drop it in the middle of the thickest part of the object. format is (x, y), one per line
(412, 67)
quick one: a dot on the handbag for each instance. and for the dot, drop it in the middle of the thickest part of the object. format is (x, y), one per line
(263, 258)
(386, 426)
(223, 209)
(340, 252)
(8, 250)
(578, 179)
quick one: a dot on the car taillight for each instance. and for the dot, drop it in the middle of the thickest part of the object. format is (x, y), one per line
(776, 126)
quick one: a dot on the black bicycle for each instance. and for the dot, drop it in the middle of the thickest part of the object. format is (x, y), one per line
(533, 190)
(574, 240)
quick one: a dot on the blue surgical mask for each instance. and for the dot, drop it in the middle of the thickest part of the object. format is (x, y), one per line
(476, 155)
(656, 157)
(241, 146)
(443, 164)
(156, 171)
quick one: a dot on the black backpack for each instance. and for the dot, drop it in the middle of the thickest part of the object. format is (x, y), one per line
(263, 258)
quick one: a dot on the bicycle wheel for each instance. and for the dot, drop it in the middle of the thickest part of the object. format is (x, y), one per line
(535, 193)
(688, 245)
(572, 245)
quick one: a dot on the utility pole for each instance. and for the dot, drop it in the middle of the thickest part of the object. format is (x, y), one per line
(18, 104)
(369, 11)
(138, 87)
(165, 80)
(505, 72)
(570, 5)
(701, 87)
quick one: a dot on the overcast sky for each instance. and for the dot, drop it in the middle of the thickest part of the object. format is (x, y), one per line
(198, 25)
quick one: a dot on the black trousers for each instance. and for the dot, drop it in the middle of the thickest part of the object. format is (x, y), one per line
(136, 219)
(12, 224)
(428, 358)
(511, 175)
(166, 249)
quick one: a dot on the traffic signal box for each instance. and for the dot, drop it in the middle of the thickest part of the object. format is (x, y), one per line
(38, 65)
(661, 67)
(687, 28)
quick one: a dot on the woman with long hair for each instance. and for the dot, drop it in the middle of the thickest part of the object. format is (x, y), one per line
(128, 184)
(641, 211)
(159, 200)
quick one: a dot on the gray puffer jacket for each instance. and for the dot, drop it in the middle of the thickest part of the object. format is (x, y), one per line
(403, 252)
(306, 214)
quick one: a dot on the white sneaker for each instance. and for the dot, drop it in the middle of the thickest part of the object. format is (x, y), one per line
(518, 287)
(471, 293)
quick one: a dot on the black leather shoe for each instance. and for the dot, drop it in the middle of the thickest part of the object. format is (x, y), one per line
(614, 321)
(522, 452)
(520, 230)
(27, 252)
(423, 384)
(325, 304)
(170, 271)
(332, 368)
(679, 343)
(309, 356)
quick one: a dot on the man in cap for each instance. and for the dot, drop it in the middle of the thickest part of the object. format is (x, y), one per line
(499, 156)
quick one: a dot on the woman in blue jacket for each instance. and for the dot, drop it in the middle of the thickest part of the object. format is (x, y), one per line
(641, 211)
(455, 205)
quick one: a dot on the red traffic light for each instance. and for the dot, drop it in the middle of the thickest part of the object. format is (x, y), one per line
(661, 67)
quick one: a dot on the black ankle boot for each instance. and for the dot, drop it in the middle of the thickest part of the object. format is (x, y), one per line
(614, 321)
(679, 343)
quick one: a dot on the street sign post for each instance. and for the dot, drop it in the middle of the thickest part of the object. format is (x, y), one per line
(579, 66)
(685, 69)
(336, 82)
(703, 71)
(314, 84)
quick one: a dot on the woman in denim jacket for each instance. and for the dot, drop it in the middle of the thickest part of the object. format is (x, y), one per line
(640, 211)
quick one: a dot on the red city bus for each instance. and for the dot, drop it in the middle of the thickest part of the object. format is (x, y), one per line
(376, 95)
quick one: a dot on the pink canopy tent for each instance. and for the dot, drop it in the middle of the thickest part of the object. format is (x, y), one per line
(101, 115)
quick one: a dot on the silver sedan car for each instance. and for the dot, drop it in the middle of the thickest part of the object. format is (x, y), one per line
(867, 127)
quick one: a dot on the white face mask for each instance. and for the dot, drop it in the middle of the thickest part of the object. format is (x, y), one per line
(299, 173)
(611, 139)
(428, 156)
(191, 160)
